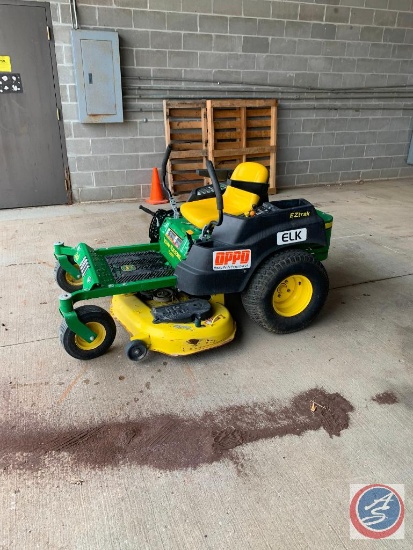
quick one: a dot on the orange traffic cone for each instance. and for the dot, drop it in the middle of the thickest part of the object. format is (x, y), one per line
(156, 196)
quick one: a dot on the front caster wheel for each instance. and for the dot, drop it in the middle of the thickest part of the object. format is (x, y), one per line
(102, 324)
(65, 280)
(136, 350)
(286, 292)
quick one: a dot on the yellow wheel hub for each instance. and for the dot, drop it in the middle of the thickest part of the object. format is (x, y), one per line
(72, 281)
(100, 332)
(292, 295)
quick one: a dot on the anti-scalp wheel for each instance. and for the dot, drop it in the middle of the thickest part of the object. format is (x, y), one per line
(65, 280)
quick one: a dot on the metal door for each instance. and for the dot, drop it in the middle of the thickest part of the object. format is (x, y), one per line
(32, 150)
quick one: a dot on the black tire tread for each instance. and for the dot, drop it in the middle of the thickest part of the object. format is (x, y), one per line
(60, 278)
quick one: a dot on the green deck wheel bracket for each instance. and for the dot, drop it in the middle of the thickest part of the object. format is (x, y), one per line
(62, 254)
(72, 320)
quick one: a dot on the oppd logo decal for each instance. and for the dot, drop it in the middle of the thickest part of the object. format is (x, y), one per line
(232, 259)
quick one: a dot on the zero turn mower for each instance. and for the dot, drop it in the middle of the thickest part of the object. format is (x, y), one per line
(169, 293)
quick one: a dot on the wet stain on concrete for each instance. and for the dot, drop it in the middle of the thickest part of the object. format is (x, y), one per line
(171, 442)
(385, 398)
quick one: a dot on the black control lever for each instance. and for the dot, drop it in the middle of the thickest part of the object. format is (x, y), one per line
(207, 230)
(217, 190)
(151, 212)
(171, 198)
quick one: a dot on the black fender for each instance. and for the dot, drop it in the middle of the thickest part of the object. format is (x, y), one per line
(226, 262)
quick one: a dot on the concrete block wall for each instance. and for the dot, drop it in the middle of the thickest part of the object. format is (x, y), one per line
(311, 44)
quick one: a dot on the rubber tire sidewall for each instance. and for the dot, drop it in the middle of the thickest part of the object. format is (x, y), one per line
(88, 314)
(136, 344)
(60, 276)
(257, 298)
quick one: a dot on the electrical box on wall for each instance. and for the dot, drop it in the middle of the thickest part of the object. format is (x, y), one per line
(97, 73)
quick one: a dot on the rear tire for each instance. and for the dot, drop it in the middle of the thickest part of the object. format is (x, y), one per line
(286, 292)
(98, 320)
(157, 220)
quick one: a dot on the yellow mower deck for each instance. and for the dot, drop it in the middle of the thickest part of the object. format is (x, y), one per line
(174, 338)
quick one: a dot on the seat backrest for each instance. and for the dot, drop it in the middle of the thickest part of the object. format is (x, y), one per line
(252, 172)
(252, 177)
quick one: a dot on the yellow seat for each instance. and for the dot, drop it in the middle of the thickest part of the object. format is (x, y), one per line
(236, 202)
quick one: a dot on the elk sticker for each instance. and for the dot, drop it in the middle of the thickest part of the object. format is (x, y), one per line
(292, 236)
(232, 259)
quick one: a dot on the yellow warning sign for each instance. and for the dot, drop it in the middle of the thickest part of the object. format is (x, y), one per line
(5, 64)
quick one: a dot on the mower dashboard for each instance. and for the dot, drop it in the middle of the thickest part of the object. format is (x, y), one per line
(266, 208)
(206, 192)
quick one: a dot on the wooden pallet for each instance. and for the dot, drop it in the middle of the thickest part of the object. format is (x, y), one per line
(186, 131)
(225, 131)
(242, 130)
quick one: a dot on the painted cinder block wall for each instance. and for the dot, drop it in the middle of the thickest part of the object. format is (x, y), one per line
(317, 43)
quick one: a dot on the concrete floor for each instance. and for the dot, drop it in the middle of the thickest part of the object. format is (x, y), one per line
(278, 492)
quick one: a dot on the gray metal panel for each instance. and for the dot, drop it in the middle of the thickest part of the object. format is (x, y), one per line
(32, 155)
(98, 78)
(97, 58)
